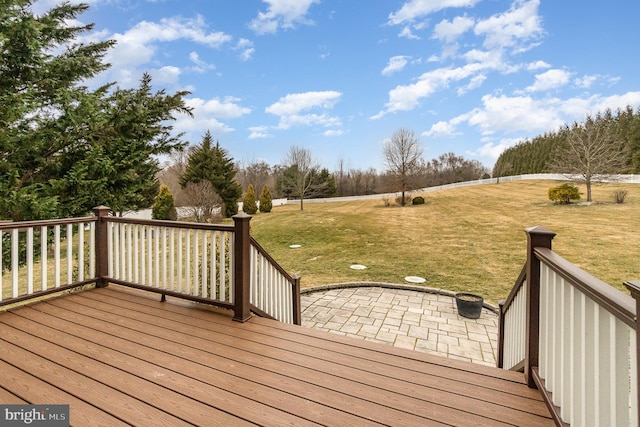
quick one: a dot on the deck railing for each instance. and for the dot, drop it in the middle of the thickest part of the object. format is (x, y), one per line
(220, 265)
(44, 257)
(272, 288)
(574, 337)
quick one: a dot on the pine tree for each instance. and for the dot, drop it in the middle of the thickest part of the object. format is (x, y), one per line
(266, 203)
(212, 164)
(249, 204)
(163, 205)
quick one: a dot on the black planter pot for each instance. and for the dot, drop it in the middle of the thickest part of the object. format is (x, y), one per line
(469, 305)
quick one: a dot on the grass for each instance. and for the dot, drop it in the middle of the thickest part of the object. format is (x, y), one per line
(465, 239)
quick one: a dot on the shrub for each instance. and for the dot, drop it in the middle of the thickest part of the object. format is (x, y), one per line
(418, 200)
(620, 195)
(265, 200)
(249, 205)
(564, 193)
(163, 205)
(387, 202)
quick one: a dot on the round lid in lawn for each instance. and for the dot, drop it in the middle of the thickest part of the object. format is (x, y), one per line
(358, 267)
(415, 279)
(295, 246)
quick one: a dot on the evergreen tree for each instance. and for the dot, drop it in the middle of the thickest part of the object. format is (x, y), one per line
(40, 75)
(119, 167)
(212, 164)
(266, 203)
(163, 205)
(65, 148)
(249, 204)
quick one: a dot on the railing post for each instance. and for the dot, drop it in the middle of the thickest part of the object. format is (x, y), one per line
(297, 310)
(537, 237)
(102, 250)
(242, 271)
(500, 361)
(634, 288)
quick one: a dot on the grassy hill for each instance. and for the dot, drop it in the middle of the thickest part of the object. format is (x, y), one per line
(465, 239)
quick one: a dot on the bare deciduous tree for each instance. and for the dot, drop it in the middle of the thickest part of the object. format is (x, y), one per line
(591, 151)
(403, 156)
(301, 174)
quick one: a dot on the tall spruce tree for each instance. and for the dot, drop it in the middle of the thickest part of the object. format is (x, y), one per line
(213, 164)
(40, 93)
(65, 148)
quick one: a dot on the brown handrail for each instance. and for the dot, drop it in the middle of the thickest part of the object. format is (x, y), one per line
(47, 222)
(516, 287)
(503, 306)
(272, 261)
(616, 302)
(173, 224)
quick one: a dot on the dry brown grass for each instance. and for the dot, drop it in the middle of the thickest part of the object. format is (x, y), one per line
(465, 239)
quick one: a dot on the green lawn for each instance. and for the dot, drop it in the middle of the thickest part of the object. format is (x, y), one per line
(465, 239)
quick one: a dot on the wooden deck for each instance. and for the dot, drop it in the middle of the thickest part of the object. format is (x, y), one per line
(121, 357)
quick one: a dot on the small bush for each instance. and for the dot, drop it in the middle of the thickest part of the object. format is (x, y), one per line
(620, 195)
(418, 200)
(163, 205)
(266, 203)
(249, 205)
(387, 202)
(407, 199)
(564, 193)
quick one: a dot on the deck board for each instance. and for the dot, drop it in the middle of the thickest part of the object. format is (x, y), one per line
(121, 356)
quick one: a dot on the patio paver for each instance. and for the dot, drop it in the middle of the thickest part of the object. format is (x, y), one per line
(411, 319)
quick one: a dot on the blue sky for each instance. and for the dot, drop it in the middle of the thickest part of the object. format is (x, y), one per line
(338, 77)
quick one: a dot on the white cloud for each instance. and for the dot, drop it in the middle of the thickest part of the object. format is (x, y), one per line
(414, 9)
(200, 65)
(395, 64)
(586, 81)
(516, 114)
(259, 132)
(290, 107)
(492, 150)
(226, 108)
(407, 97)
(474, 83)
(199, 122)
(139, 45)
(246, 49)
(166, 75)
(441, 130)
(294, 103)
(406, 32)
(282, 14)
(448, 31)
(306, 120)
(551, 79)
(207, 112)
(333, 132)
(513, 28)
(529, 116)
(537, 65)
(615, 102)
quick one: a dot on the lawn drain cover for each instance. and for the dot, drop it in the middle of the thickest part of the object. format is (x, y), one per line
(415, 279)
(295, 246)
(358, 267)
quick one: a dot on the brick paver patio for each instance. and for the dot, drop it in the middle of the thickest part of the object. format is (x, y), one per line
(411, 319)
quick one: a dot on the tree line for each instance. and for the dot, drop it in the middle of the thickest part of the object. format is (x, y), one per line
(200, 181)
(603, 144)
